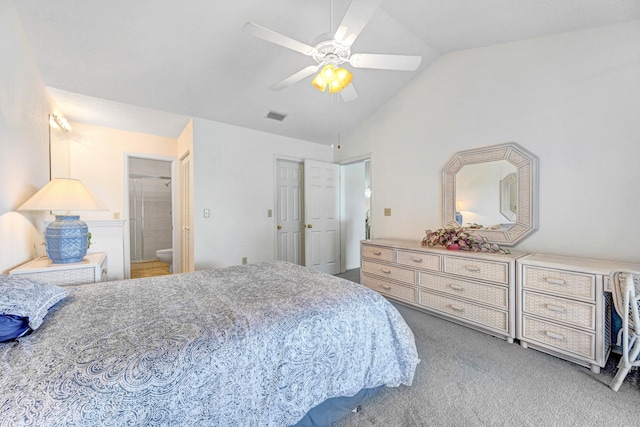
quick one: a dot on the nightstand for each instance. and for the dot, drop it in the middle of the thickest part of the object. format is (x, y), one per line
(92, 269)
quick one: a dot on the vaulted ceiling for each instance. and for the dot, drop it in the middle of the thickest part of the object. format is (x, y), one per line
(148, 65)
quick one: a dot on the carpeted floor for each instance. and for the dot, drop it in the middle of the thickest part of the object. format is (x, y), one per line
(467, 378)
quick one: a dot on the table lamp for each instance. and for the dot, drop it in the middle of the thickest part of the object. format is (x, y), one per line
(66, 237)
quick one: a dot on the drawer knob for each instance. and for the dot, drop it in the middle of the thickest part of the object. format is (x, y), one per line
(456, 308)
(416, 259)
(385, 271)
(556, 308)
(456, 287)
(386, 287)
(472, 268)
(554, 335)
(554, 281)
(377, 253)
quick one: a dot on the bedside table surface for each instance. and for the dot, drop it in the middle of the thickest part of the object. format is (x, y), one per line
(92, 269)
(44, 264)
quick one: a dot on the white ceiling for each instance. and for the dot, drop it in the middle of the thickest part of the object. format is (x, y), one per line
(149, 65)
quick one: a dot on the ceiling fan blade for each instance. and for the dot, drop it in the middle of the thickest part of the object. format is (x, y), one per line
(277, 38)
(295, 78)
(358, 15)
(348, 93)
(385, 62)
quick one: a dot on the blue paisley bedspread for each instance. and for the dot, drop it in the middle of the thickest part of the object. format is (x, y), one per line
(255, 345)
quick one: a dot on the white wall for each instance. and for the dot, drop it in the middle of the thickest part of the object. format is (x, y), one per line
(234, 178)
(97, 158)
(24, 141)
(572, 99)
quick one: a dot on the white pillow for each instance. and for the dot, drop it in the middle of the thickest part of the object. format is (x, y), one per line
(24, 297)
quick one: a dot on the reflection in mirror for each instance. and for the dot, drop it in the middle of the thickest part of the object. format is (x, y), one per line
(59, 147)
(509, 196)
(478, 193)
(493, 191)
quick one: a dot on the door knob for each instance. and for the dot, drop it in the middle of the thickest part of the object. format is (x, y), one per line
(309, 226)
(279, 227)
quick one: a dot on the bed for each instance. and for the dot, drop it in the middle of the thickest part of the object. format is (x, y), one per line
(256, 345)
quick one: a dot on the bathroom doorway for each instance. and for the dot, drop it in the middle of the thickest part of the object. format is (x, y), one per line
(150, 209)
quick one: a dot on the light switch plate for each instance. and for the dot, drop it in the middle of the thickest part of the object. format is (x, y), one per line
(387, 211)
(207, 212)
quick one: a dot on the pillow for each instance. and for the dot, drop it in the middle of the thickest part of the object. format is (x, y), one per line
(27, 298)
(12, 327)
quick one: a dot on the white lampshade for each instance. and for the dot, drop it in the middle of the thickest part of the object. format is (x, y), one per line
(66, 237)
(63, 194)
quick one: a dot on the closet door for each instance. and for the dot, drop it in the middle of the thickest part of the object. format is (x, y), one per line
(322, 216)
(186, 214)
(289, 211)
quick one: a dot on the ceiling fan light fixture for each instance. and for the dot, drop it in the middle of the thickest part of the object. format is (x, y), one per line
(336, 78)
(329, 72)
(343, 78)
(319, 82)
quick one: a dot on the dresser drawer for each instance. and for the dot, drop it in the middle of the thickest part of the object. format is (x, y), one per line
(389, 272)
(490, 294)
(572, 312)
(560, 282)
(495, 319)
(419, 260)
(395, 290)
(486, 270)
(559, 337)
(378, 252)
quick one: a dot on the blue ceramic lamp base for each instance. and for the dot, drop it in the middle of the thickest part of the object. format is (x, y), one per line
(458, 217)
(67, 239)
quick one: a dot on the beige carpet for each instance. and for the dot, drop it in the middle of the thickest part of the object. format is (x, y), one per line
(467, 378)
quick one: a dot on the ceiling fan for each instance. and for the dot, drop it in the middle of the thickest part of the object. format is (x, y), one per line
(331, 50)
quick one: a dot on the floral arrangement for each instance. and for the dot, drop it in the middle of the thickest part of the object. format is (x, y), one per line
(459, 238)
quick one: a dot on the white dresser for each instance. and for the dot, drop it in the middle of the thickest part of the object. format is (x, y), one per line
(472, 288)
(564, 307)
(93, 268)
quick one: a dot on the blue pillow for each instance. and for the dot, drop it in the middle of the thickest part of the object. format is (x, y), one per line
(12, 327)
(27, 298)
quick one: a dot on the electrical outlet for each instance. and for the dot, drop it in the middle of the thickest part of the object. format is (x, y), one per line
(387, 211)
(244, 260)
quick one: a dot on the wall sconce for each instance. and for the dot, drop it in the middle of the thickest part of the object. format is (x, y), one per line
(59, 122)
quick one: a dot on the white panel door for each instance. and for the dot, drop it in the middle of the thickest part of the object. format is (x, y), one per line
(322, 216)
(289, 210)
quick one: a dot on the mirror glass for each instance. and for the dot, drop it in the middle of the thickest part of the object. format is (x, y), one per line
(493, 191)
(509, 196)
(478, 193)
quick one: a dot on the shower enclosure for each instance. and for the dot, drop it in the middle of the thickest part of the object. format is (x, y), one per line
(150, 215)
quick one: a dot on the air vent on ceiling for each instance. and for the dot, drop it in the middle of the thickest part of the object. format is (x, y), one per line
(276, 116)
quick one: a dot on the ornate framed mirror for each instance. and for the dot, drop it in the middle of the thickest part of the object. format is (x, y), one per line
(493, 191)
